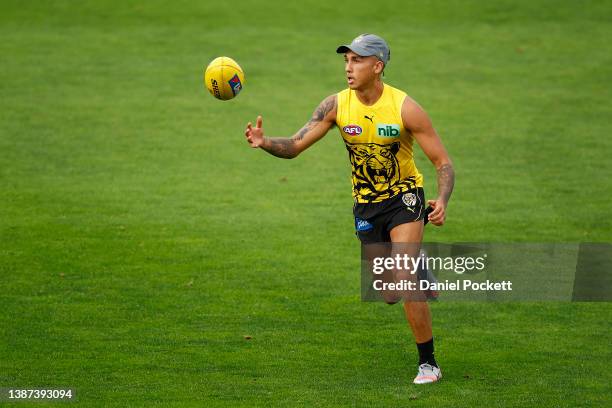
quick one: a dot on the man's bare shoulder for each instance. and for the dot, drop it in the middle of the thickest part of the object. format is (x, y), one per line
(410, 103)
(327, 109)
(413, 115)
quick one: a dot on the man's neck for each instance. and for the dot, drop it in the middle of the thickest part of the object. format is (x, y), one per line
(369, 96)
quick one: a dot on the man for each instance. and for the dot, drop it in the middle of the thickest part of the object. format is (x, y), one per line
(379, 124)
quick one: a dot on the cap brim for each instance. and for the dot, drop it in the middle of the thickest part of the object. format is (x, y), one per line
(357, 50)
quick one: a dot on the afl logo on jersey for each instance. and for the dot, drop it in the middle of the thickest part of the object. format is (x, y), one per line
(352, 130)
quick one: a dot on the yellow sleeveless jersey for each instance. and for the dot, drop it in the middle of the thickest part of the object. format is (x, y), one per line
(379, 147)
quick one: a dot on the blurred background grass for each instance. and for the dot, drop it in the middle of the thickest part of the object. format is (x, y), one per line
(142, 238)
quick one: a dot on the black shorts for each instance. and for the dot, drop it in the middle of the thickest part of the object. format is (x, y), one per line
(373, 221)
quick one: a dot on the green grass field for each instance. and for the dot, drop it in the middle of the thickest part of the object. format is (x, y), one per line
(142, 239)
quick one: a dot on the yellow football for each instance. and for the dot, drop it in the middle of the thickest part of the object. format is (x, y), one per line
(224, 78)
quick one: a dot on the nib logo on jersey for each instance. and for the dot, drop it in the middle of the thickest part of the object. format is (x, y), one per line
(387, 130)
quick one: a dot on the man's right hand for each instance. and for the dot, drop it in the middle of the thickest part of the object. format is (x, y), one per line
(323, 118)
(255, 135)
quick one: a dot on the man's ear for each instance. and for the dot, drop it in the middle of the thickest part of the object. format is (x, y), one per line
(379, 67)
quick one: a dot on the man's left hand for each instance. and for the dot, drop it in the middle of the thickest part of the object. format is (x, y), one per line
(438, 215)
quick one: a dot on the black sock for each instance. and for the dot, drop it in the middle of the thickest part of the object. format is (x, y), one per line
(426, 353)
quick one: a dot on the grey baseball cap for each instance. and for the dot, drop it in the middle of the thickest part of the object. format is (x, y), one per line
(367, 45)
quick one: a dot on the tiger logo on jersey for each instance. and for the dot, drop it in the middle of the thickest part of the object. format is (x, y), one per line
(375, 168)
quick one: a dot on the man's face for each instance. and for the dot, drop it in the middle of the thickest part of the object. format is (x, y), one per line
(361, 71)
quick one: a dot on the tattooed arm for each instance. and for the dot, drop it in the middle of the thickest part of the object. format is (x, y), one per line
(323, 118)
(417, 122)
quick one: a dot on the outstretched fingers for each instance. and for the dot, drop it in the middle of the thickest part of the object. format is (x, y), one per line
(254, 135)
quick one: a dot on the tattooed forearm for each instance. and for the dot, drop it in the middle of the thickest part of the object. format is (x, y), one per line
(446, 181)
(280, 147)
(287, 148)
